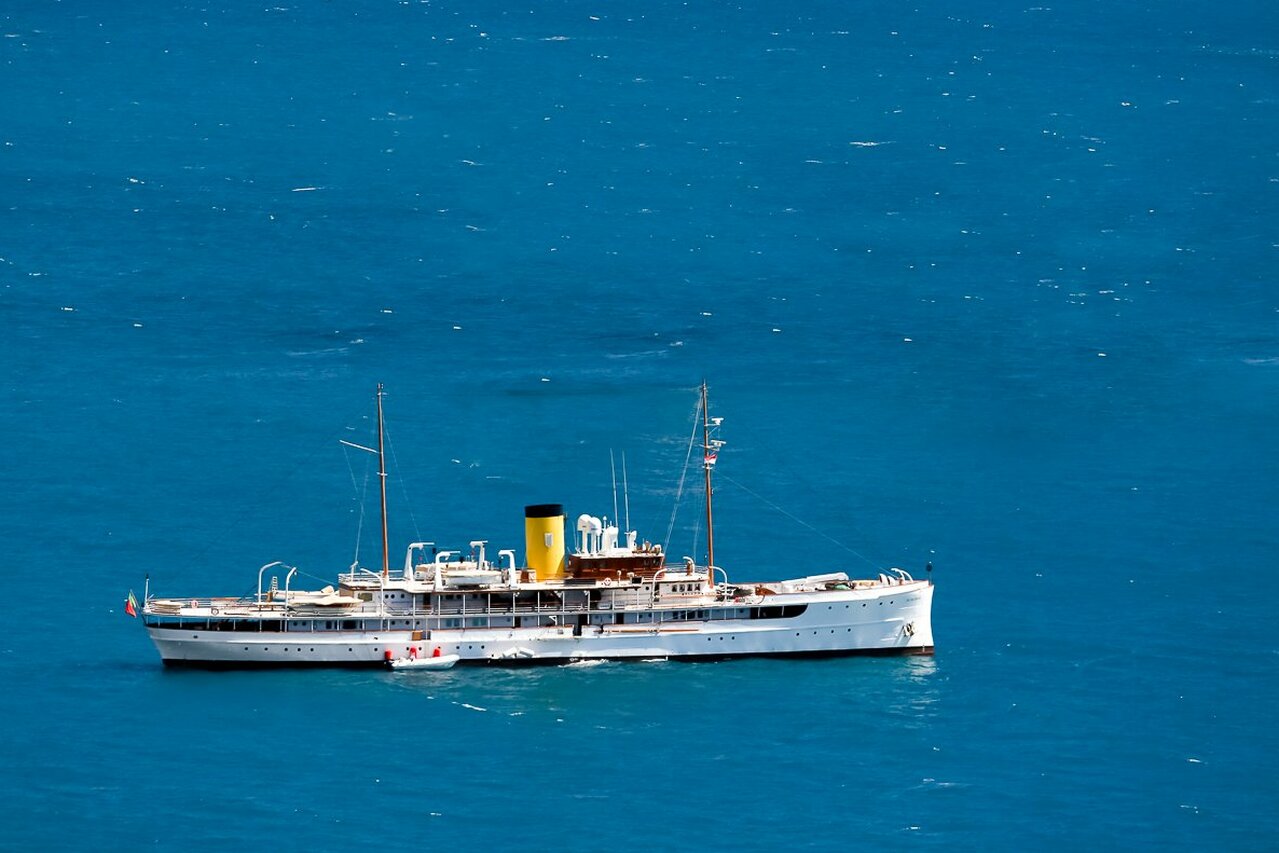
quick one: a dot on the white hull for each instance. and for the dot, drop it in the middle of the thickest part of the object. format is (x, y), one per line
(893, 619)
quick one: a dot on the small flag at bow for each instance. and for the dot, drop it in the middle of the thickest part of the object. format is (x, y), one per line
(131, 605)
(710, 459)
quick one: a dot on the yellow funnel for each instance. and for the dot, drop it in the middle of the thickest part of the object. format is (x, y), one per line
(544, 540)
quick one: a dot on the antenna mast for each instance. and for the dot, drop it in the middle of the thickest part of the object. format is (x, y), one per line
(626, 493)
(381, 473)
(613, 467)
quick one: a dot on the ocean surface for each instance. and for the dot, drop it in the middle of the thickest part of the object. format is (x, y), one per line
(987, 285)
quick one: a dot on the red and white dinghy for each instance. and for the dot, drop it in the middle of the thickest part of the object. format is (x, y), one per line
(436, 662)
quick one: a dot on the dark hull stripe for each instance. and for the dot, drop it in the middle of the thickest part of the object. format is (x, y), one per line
(903, 651)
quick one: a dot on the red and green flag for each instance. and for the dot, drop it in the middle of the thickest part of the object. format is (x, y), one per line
(131, 605)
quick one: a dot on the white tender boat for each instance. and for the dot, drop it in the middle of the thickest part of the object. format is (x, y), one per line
(435, 662)
(613, 597)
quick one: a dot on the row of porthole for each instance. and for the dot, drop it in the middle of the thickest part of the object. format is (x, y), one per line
(708, 639)
(299, 648)
(881, 604)
(832, 630)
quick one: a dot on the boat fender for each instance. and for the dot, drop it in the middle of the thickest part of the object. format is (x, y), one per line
(413, 653)
(436, 653)
(386, 655)
(213, 610)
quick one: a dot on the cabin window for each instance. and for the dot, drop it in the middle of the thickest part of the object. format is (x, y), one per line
(787, 611)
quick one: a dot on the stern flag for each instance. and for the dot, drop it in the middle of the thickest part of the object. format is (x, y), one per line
(131, 605)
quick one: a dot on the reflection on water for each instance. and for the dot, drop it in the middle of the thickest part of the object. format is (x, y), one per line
(697, 697)
(917, 689)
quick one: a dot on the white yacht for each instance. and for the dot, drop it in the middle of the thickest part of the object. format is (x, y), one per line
(610, 597)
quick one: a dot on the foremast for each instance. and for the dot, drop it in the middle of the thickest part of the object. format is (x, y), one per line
(381, 474)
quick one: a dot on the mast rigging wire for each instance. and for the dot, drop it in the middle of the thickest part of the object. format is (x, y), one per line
(363, 498)
(798, 520)
(679, 492)
(404, 488)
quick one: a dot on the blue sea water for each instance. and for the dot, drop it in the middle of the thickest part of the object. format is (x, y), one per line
(987, 285)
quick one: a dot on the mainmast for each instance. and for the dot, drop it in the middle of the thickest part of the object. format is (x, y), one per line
(708, 462)
(381, 473)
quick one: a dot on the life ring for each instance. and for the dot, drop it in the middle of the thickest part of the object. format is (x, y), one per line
(608, 581)
(213, 610)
